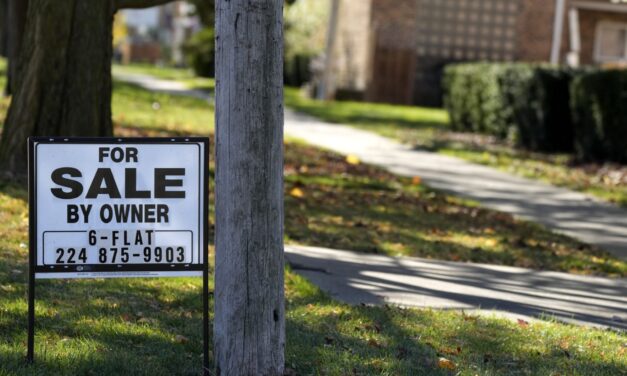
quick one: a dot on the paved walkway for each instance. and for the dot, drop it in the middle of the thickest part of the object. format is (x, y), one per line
(357, 278)
(571, 213)
(159, 85)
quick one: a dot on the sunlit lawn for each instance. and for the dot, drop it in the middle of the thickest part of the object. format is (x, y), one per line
(153, 326)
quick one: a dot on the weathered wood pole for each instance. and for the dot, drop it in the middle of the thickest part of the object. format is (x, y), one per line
(249, 325)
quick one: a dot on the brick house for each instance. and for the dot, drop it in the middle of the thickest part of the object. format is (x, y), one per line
(394, 50)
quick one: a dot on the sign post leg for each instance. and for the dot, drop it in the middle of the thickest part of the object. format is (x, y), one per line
(30, 352)
(32, 248)
(205, 316)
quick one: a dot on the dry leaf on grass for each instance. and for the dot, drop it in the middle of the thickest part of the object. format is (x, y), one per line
(446, 364)
(352, 159)
(297, 192)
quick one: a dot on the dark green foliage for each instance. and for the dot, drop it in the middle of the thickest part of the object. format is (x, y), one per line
(531, 100)
(473, 98)
(200, 52)
(296, 69)
(599, 104)
(538, 101)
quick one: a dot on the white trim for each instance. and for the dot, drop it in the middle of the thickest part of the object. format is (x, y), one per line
(598, 58)
(575, 37)
(593, 5)
(558, 30)
(572, 59)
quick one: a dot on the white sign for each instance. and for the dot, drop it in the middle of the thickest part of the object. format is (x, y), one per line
(118, 207)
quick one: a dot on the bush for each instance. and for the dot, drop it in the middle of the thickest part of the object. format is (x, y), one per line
(530, 100)
(599, 107)
(474, 100)
(296, 70)
(199, 51)
(538, 102)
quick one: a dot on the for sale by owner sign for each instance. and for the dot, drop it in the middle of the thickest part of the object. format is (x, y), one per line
(118, 207)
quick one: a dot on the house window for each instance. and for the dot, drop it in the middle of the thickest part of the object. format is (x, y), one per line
(611, 42)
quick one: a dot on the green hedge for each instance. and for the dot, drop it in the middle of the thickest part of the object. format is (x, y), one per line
(530, 100)
(199, 51)
(473, 98)
(599, 107)
(538, 101)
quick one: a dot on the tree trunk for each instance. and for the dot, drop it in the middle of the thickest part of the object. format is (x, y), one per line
(64, 84)
(249, 326)
(16, 19)
(4, 8)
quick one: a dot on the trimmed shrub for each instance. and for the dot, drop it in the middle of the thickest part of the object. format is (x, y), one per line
(473, 98)
(530, 101)
(199, 51)
(296, 70)
(599, 107)
(538, 102)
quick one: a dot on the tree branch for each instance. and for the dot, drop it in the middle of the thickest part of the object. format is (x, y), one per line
(138, 4)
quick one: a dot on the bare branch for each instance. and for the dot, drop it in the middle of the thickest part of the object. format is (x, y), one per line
(138, 4)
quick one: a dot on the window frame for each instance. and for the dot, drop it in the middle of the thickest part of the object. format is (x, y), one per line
(601, 27)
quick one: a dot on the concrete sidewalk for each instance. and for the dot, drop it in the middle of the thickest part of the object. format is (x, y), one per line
(512, 292)
(568, 212)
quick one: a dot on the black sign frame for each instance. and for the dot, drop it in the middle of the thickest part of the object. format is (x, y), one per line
(32, 221)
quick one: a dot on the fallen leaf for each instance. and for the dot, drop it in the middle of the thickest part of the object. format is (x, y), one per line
(297, 192)
(180, 339)
(373, 343)
(416, 180)
(446, 364)
(126, 317)
(352, 159)
(522, 323)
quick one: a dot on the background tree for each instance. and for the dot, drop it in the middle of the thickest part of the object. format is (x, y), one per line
(4, 8)
(63, 87)
(15, 24)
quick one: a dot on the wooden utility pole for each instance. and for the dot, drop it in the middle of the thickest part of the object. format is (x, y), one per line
(249, 324)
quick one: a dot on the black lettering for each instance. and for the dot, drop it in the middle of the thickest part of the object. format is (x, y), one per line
(106, 213)
(86, 209)
(72, 214)
(162, 182)
(102, 153)
(117, 155)
(149, 233)
(131, 155)
(103, 175)
(162, 213)
(58, 177)
(138, 238)
(149, 213)
(121, 213)
(137, 214)
(130, 185)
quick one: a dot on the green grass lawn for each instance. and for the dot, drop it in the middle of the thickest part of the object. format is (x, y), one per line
(153, 326)
(428, 129)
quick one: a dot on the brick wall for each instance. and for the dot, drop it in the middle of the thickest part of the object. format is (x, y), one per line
(535, 30)
(393, 43)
